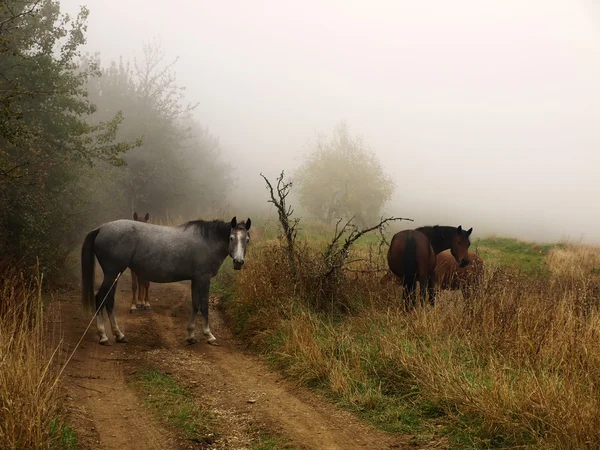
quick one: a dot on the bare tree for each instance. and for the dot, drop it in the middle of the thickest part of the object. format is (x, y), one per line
(285, 213)
(336, 255)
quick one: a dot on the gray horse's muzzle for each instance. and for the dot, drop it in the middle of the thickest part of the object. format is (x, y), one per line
(238, 264)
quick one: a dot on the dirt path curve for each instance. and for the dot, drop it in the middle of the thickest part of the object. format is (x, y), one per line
(240, 389)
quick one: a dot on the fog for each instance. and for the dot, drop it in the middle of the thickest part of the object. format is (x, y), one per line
(485, 113)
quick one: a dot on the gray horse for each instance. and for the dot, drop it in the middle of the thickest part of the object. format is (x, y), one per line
(160, 254)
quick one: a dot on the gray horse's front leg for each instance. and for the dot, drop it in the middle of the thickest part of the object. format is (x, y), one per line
(200, 294)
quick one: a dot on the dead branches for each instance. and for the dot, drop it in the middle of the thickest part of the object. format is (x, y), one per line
(285, 212)
(336, 255)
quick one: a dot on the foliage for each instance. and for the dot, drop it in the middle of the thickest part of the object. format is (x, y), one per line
(46, 132)
(177, 169)
(341, 177)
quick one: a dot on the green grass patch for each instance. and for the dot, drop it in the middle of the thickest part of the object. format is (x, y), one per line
(527, 257)
(173, 405)
(63, 436)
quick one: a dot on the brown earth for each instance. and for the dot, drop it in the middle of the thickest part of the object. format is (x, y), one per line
(245, 395)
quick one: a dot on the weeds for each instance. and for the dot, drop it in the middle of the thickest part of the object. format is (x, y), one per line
(518, 366)
(173, 405)
(30, 408)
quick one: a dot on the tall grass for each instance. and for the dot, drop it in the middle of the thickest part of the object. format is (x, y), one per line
(518, 366)
(29, 403)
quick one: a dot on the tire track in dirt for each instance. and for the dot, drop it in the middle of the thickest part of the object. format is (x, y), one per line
(222, 378)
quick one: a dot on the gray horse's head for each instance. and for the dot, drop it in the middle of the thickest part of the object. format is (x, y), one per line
(238, 242)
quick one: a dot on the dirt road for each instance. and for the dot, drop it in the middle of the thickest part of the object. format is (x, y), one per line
(239, 389)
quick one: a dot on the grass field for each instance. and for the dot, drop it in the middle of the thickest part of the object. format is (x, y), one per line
(517, 367)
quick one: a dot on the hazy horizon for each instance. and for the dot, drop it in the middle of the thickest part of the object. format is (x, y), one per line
(484, 113)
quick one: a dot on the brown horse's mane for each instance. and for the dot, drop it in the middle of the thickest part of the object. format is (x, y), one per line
(439, 235)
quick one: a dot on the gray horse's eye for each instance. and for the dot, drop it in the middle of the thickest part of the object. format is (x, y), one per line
(247, 238)
(231, 238)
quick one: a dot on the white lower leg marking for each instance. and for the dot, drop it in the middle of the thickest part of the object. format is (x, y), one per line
(206, 330)
(191, 326)
(113, 325)
(100, 327)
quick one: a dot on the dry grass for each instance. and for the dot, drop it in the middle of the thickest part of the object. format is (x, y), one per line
(574, 261)
(520, 366)
(29, 403)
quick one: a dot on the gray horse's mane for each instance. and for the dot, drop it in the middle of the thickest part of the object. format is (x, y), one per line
(210, 228)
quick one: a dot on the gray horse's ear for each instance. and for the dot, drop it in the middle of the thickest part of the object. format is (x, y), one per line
(147, 216)
(459, 230)
(470, 231)
(248, 223)
(234, 222)
(135, 216)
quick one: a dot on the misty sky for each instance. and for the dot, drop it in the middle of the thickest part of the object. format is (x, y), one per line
(486, 113)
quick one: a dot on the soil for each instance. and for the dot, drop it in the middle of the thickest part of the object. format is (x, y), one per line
(246, 396)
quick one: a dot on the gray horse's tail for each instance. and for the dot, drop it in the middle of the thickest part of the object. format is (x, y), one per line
(87, 271)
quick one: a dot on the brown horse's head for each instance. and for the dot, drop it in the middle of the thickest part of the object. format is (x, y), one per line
(144, 219)
(460, 246)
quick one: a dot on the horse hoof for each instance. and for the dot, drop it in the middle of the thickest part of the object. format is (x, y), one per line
(132, 310)
(122, 340)
(213, 341)
(192, 341)
(104, 342)
(147, 307)
(139, 306)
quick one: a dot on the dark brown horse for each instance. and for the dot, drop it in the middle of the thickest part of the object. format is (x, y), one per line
(412, 257)
(450, 276)
(444, 238)
(143, 302)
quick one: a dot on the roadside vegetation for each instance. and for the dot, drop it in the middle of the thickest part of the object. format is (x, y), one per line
(31, 412)
(518, 366)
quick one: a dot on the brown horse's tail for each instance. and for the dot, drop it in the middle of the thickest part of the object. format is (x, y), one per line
(410, 261)
(87, 271)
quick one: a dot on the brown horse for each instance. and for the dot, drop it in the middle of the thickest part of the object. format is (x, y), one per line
(143, 302)
(450, 276)
(444, 238)
(412, 257)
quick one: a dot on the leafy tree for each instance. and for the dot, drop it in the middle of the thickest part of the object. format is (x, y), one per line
(341, 177)
(178, 169)
(47, 135)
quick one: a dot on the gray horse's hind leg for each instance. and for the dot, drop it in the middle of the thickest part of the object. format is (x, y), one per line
(200, 294)
(110, 309)
(109, 306)
(103, 339)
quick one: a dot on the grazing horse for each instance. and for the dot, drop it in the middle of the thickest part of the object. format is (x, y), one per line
(160, 254)
(411, 257)
(144, 285)
(453, 277)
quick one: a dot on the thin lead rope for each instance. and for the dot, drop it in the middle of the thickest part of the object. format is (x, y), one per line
(87, 328)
